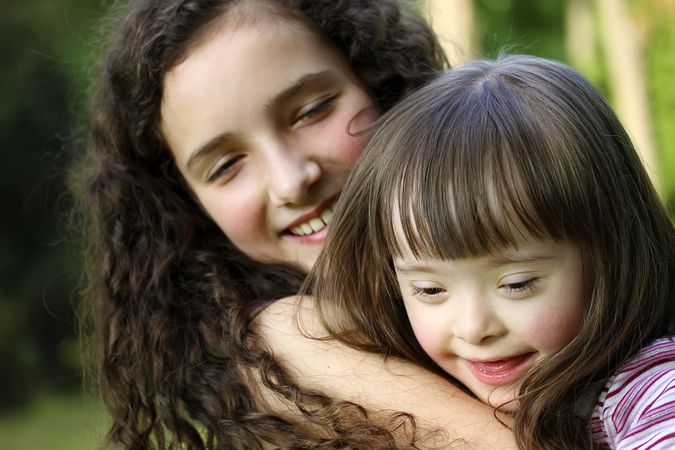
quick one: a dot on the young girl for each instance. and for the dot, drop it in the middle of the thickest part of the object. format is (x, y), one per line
(504, 211)
(221, 134)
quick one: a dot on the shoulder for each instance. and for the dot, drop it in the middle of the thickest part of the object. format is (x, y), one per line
(295, 335)
(290, 317)
(637, 406)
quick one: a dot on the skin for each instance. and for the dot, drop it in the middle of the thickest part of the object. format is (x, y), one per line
(263, 120)
(454, 419)
(262, 163)
(487, 320)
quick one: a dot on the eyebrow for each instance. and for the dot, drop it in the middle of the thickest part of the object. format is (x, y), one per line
(302, 84)
(295, 89)
(492, 262)
(207, 148)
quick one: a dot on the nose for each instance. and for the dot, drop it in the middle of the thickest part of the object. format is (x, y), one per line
(477, 322)
(291, 175)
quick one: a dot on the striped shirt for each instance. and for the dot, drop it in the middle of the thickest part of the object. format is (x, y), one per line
(636, 410)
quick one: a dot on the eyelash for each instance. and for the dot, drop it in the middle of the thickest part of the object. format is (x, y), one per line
(521, 287)
(316, 110)
(224, 168)
(427, 292)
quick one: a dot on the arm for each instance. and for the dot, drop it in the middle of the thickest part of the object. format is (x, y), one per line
(372, 381)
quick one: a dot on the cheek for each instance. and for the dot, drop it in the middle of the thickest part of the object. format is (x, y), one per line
(549, 331)
(342, 148)
(554, 320)
(427, 331)
(361, 129)
(237, 214)
(349, 135)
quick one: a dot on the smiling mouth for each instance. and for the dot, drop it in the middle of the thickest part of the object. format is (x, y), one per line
(314, 224)
(501, 371)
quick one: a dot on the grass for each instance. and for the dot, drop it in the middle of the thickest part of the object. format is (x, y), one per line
(54, 422)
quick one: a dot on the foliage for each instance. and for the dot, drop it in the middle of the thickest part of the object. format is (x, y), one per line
(656, 18)
(38, 269)
(54, 422)
(521, 26)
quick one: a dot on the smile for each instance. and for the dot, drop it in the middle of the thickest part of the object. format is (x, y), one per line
(314, 224)
(501, 371)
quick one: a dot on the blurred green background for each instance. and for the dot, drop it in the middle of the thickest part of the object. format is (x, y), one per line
(48, 51)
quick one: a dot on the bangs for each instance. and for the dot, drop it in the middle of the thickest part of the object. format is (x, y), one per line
(480, 174)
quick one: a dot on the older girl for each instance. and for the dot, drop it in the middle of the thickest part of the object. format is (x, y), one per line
(221, 136)
(503, 211)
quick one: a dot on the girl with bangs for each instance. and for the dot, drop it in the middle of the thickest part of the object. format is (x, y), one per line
(501, 228)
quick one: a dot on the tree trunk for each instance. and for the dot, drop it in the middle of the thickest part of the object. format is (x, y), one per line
(453, 22)
(625, 66)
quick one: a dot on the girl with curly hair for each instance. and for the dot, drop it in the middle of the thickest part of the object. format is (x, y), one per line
(221, 134)
(500, 227)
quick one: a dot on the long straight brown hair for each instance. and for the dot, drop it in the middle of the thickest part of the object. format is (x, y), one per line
(484, 154)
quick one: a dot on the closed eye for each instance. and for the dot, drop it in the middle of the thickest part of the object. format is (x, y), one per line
(431, 292)
(314, 111)
(224, 167)
(519, 288)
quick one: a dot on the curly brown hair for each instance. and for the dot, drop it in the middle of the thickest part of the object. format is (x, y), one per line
(167, 294)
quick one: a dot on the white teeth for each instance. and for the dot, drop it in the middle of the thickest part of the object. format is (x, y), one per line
(327, 215)
(316, 224)
(313, 225)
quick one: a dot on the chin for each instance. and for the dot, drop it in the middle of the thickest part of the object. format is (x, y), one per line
(304, 263)
(307, 259)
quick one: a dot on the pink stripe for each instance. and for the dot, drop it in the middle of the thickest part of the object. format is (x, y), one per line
(658, 392)
(668, 439)
(663, 347)
(661, 401)
(663, 356)
(650, 424)
(663, 393)
(663, 408)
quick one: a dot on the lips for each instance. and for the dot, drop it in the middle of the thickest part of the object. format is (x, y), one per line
(313, 222)
(501, 371)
